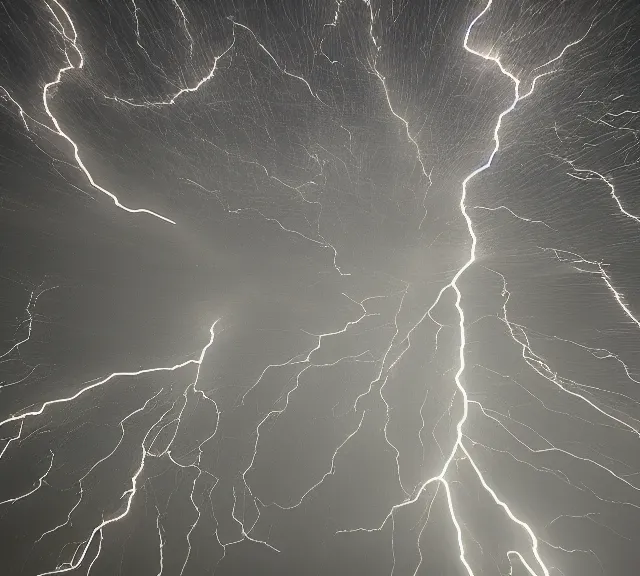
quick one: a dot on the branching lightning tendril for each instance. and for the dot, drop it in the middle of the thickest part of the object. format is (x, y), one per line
(156, 431)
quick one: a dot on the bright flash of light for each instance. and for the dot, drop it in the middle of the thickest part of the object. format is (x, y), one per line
(159, 439)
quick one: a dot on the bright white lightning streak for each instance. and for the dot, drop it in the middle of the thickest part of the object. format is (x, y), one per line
(12, 439)
(577, 259)
(410, 137)
(593, 175)
(192, 527)
(24, 415)
(331, 470)
(282, 69)
(544, 370)
(523, 218)
(246, 533)
(73, 41)
(616, 114)
(332, 24)
(96, 464)
(551, 448)
(97, 553)
(76, 562)
(45, 405)
(193, 387)
(440, 478)
(160, 543)
(212, 72)
(386, 433)
(193, 488)
(336, 14)
(185, 25)
(33, 299)
(145, 453)
(296, 360)
(424, 525)
(453, 285)
(180, 92)
(136, 20)
(130, 493)
(320, 242)
(307, 360)
(35, 489)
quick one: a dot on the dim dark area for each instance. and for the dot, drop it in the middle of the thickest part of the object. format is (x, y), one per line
(326, 287)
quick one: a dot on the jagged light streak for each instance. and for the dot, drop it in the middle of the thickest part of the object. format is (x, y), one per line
(195, 523)
(246, 533)
(523, 218)
(72, 40)
(590, 174)
(97, 552)
(616, 114)
(332, 24)
(419, 156)
(331, 470)
(577, 259)
(453, 285)
(307, 359)
(320, 241)
(12, 439)
(549, 449)
(81, 552)
(277, 412)
(386, 434)
(424, 525)
(19, 381)
(39, 484)
(45, 405)
(280, 67)
(96, 464)
(459, 452)
(195, 390)
(160, 543)
(179, 93)
(185, 25)
(33, 300)
(544, 370)
(213, 70)
(130, 493)
(136, 20)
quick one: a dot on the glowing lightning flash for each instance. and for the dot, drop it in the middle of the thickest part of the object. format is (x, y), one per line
(156, 445)
(71, 39)
(146, 447)
(453, 285)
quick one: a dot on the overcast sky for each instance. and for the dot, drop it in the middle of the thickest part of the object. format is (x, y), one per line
(326, 287)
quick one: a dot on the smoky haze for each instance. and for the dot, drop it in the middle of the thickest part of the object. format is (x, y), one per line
(329, 287)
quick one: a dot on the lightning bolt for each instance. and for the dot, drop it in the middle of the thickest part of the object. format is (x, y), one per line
(453, 285)
(146, 450)
(68, 33)
(185, 25)
(586, 175)
(410, 137)
(156, 427)
(507, 209)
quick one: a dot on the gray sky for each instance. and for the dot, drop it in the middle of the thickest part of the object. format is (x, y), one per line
(319, 288)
